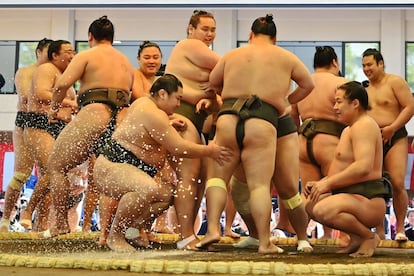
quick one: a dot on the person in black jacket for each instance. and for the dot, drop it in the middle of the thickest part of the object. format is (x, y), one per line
(2, 81)
(409, 226)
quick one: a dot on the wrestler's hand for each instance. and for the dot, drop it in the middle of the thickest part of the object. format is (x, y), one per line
(203, 104)
(209, 105)
(218, 153)
(308, 188)
(208, 91)
(178, 124)
(387, 132)
(74, 107)
(318, 188)
(53, 115)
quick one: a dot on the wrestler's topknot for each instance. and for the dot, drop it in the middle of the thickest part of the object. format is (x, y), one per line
(269, 17)
(265, 25)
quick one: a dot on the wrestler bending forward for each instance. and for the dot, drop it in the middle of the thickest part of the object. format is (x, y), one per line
(136, 152)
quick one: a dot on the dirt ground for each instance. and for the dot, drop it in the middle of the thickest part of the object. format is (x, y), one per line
(84, 250)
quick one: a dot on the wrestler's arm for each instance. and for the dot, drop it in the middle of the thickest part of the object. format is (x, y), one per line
(303, 78)
(199, 54)
(23, 83)
(164, 133)
(43, 80)
(161, 131)
(405, 99)
(73, 72)
(216, 76)
(295, 114)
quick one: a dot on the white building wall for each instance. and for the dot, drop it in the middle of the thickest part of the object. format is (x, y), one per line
(392, 27)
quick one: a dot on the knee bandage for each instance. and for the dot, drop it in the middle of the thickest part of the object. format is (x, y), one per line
(241, 196)
(18, 180)
(216, 182)
(292, 202)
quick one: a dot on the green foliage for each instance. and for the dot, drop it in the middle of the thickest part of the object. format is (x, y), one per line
(409, 67)
(27, 53)
(353, 59)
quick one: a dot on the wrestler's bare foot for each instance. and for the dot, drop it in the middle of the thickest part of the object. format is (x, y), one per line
(188, 243)
(270, 248)
(4, 225)
(52, 232)
(117, 242)
(102, 239)
(353, 245)
(164, 230)
(26, 219)
(367, 247)
(140, 243)
(343, 239)
(249, 242)
(231, 234)
(208, 240)
(304, 246)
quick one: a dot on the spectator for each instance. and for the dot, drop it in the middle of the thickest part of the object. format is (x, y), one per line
(2, 81)
(409, 227)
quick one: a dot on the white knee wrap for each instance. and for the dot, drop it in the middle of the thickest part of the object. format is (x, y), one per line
(292, 202)
(18, 180)
(216, 182)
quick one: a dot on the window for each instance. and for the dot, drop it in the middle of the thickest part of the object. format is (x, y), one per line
(26, 53)
(7, 65)
(409, 64)
(353, 59)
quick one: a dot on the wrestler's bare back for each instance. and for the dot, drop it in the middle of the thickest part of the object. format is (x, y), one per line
(262, 69)
(23, 81)
(319, 103)
(101, 66)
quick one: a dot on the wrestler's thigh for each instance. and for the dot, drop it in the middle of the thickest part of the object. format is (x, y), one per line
(23, 158)
(225, 136)
(239, 173)
(116, 179)
(166, 180)
(18, 140)
(190, 133)
(369, 212)
(286, 174)
(187, 168)
(395, 161)
(42, 146)
(308, 172)
(303, 152)
(167, 174)
(259, 151)
(226, 131)
(162, 192)
(324, 146)
(74, 144)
